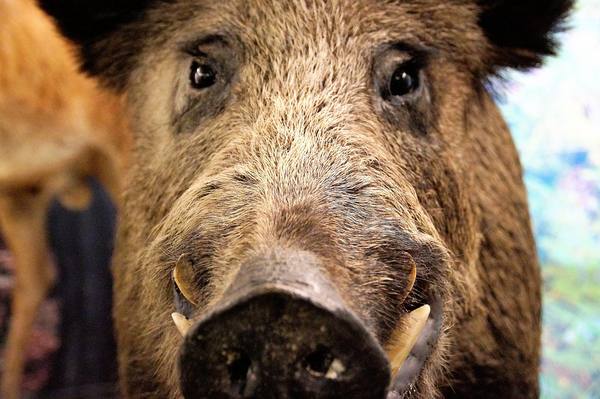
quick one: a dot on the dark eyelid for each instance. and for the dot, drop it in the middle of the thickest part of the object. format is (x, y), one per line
(414, 63)
(194, 47)
(419, 54)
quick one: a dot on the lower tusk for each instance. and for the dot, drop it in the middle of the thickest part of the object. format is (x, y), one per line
(181, 322)
(404, 338)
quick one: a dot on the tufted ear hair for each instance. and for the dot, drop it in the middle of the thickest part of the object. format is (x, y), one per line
(87, 21)
(522, 32)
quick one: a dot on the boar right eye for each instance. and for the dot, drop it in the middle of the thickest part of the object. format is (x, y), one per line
(404, 80)
(202, 75)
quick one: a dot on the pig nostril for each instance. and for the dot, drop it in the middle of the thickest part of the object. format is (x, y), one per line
(322, 363)
(239, 367)
(318, 362)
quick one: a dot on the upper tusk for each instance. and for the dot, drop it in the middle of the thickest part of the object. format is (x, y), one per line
(180, 276)
(412, 278)
(405, 337)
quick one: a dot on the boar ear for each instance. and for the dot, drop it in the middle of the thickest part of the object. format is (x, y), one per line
(522, 32)
(85, 22)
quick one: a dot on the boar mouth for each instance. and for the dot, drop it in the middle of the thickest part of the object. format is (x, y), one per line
(408, 350)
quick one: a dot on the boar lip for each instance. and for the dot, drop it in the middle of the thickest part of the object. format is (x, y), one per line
(420, 353)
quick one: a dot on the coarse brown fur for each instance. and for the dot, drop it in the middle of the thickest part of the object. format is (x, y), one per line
(295, 148)
(57, 128)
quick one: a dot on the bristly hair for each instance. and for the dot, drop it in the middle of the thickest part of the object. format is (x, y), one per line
(522, 32)
(85, 22)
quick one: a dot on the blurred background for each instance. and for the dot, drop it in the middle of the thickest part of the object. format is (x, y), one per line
(554, 114)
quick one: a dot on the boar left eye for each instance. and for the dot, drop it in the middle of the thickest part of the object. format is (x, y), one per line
(202, 75)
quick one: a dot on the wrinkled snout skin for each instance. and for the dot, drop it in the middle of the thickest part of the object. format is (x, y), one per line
(294, 148)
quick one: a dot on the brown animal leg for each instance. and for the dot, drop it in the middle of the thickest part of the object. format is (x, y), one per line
(23, 223)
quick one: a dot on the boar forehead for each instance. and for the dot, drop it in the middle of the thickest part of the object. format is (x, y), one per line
(287, 25)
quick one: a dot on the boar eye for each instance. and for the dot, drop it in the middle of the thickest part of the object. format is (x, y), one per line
(404, 80)
(202, 75)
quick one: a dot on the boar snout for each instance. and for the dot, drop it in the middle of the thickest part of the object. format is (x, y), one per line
(281, 330)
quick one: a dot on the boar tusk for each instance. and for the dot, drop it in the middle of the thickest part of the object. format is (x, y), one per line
(412, 278)
(404, 338)
(181, 322)
(181, 274)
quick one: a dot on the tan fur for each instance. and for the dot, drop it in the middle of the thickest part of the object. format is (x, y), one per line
(56, 129)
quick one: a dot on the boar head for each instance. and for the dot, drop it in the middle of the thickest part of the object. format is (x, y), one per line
(329, 181)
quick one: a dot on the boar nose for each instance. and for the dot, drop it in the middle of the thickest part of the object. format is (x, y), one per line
(281, 330)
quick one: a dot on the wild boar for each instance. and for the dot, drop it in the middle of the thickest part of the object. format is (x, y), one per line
(325, 195)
